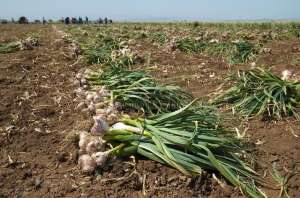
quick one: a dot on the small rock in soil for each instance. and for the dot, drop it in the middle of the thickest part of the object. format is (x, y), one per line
(188, 182)
(62, 157)
(38, 182)
(138, 182)
(163, 181)
(69, 188)
(27, 174)
(182, 178)
(273, 158)
(75, 156)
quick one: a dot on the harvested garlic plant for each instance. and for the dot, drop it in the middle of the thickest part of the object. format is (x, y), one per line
(94, 146)
(100, 127)
(86, 163)
(89, 144)
(100, 158)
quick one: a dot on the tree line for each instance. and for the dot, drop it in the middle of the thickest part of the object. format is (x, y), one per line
(65, 20)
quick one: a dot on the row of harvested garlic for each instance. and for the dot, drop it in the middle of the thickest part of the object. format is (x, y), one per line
(92, 152)
(96, 101)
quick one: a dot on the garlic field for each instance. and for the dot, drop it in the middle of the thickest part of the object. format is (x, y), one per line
(150, 109)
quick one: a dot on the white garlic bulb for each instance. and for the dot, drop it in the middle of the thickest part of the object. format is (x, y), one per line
(92, 107)
(100, 158)
(86, 163)
(79, 76)
(286, 74)
(100, 126)
(112, 118)
(94, 146)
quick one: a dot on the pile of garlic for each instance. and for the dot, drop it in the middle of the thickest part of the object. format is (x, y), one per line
(91, 152)
(96, 103)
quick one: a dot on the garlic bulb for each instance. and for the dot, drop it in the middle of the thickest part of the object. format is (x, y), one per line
(79, 76)
(94, 146)
(100, 127)
(253, 65)
(83, 140)
(76, 83)
(286, 74)
(80, 93)
(112, 118)
(110, 110)
(92, 107)
(83, 81)
(89, 143)
(214, 41)
(90, 96)
(100, 105)
(100, 112)
(86, 163)
(100, 158)
(97, 98)
(103, 92)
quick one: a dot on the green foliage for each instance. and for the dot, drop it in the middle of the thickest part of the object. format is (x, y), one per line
(282, 182)
(158, 38)
(220, 49)
(243, 52)
(138, 90)
(99, 50)
(10, 47)
(259, 92)
(238, 52)
(196, 24)
(190, 140)
(190, 45)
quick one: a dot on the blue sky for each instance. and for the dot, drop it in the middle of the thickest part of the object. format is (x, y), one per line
(154, 9)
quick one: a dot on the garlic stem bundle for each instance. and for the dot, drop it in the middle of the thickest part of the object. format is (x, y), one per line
(123, 127)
